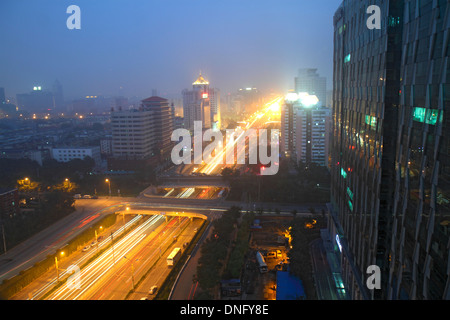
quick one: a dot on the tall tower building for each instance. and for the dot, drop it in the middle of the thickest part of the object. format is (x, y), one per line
(202, 103)
(390, 154)
(58, 96)
(305, 132)
(162, 124)
(308, 80)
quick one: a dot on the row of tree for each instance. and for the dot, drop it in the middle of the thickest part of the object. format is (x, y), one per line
(299, 184)
(215, 251)
(50, 208)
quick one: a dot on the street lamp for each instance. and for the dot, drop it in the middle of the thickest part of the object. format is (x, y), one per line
(57, 267)
(109, 185)
(132, 270)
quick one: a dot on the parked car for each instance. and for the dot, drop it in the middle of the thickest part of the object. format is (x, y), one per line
(77, 196)
(86, 248)
(87, 196)
(93, 243)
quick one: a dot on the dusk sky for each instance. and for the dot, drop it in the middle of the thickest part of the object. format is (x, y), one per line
(129, 47)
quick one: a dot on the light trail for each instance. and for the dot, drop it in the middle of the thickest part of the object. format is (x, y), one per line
(218, 159)
(93, 272)
(85, 257)
(168, 193)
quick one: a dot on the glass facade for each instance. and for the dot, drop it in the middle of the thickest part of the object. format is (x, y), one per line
(390, 165)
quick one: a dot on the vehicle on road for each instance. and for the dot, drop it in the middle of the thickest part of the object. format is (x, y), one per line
(77, 196)
(85, 248)
(93, 243)
(261, 263)
(87, 196)
(173, 257)
(153, 290)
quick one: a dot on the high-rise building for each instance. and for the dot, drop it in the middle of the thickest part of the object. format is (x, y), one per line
(308, 80)
(305, 132)
(143, 133)
(202, 103)
(58, 96)
(390, 192)
(419, 254)
(162, 124)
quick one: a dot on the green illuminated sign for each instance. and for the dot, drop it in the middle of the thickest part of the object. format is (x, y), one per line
(350, 193)
(343, 173)
(350, 205)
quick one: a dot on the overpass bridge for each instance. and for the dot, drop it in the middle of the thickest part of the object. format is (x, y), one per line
(166, 214)
(192, 181)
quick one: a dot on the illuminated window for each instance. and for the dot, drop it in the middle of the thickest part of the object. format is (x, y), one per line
(347, 58)
(371, 121)
(429, 116)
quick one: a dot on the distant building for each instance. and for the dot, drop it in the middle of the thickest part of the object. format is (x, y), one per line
(58, 97)
(162, 125)
(9, 203)
(66, 154)
(37, 101)
(143, 133)
(34, 155)
(308, 80)
(202, 103)
(106, 146)
(305, 132)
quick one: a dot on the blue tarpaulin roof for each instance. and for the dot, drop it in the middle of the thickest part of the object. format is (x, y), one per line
(289, 287)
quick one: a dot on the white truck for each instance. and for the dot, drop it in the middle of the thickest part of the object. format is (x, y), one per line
(173, 257)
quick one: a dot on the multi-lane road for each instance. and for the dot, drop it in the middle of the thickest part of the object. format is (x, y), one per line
(128, 256)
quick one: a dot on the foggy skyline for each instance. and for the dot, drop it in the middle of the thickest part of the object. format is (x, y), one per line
(128, 50)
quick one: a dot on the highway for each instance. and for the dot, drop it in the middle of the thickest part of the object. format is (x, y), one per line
(55, 236)
(92, 275)
(112, 274)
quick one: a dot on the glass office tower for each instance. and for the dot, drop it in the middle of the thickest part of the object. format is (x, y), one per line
(389, 148)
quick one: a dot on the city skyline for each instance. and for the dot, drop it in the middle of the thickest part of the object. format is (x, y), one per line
(231, 43)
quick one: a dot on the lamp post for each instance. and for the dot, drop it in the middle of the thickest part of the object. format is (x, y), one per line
(109, 185)
(57, 267)
(132, 270)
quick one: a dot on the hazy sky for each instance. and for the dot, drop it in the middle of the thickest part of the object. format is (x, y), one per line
(130, 47)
